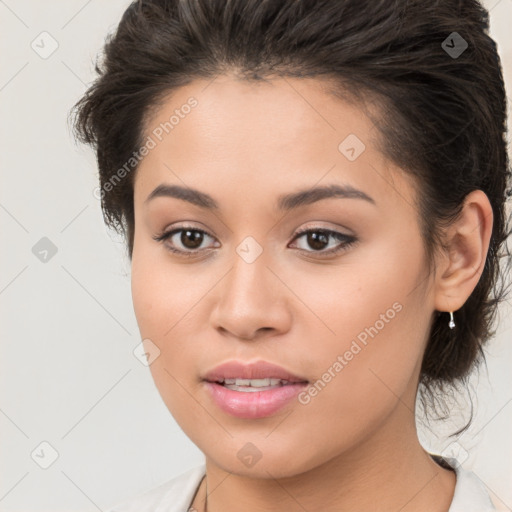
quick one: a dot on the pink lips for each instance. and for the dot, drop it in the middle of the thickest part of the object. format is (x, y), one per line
(256, 370)
(253, 404)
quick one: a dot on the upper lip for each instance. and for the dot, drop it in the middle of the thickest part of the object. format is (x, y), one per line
(255, 370)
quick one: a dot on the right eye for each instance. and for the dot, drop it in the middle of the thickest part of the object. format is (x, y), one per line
(190, 239)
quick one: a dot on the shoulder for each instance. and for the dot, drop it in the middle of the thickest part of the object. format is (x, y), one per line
(470, 493)
(174, 495)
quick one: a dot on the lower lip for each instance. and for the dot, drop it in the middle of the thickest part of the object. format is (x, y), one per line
(253, 404)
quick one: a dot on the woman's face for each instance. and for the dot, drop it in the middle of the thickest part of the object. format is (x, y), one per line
(352, 323)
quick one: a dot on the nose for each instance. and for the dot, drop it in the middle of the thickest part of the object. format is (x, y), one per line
(251, 300)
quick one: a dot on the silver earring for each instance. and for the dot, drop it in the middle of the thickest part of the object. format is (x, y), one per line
(451, 324)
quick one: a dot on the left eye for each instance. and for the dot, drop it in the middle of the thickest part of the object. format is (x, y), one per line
(192, 238)
(318, 238)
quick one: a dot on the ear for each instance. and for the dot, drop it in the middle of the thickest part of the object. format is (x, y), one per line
(468, 240)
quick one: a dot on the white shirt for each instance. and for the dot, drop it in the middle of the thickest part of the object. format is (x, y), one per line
(177, 494)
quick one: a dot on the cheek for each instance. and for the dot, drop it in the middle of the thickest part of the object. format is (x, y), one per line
(162, 293)
(146, 296)
(159, 310)
(163, 306)
(165, 300)
(372, 328)
(362, 374)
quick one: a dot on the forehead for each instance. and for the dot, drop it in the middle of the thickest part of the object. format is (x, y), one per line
(291, 109)
(268, 135)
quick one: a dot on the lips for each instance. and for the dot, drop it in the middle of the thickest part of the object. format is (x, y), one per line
(251, 371)
(252, 390)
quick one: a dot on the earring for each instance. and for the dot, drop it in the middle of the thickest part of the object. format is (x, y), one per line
(451, 324)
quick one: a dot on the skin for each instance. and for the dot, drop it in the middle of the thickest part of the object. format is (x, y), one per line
(354, 446)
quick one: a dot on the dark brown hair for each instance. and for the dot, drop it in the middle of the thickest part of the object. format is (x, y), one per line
(442, 110)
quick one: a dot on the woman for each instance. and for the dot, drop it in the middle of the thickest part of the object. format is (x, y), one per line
(313, 197)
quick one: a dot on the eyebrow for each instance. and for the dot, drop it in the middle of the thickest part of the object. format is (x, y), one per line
(284, 202)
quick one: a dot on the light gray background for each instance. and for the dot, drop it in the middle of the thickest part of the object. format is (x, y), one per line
(68, 373)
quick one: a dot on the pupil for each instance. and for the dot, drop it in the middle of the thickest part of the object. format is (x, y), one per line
(313, 240)
(193, 236)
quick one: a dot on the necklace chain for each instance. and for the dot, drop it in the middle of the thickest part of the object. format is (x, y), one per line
(196, 499)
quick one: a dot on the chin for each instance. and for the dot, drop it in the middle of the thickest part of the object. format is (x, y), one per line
(265, 459)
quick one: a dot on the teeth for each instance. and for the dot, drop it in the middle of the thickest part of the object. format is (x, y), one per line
(254, 383)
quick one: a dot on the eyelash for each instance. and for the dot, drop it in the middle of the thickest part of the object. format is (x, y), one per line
(347, 240)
